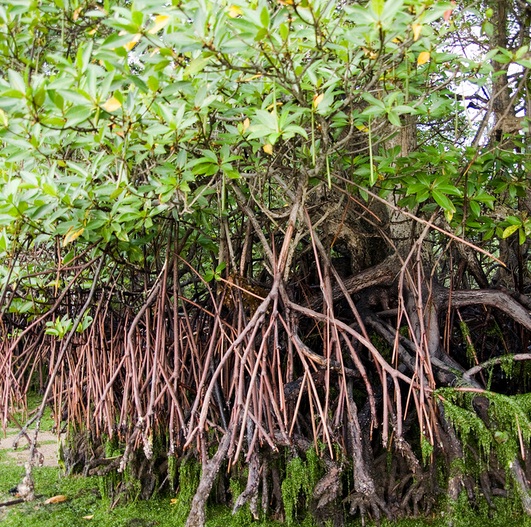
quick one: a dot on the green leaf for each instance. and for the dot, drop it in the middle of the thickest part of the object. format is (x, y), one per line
(447, 188)
(475, 208)
(377, 7)
(373, 101)
(264, 17)
(514, 220)
(197, 65)
(16, 81)
(443, 201)
(153, 83)
(391, 8)
(394, 119)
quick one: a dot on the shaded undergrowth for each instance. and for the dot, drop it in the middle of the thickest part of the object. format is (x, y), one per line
(87, 504)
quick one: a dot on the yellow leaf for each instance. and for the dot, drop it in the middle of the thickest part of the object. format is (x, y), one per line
(173, 501)
(249, 79)
(423, 57)
(235, 11)
(246, 124)
(273, 106)
(161, 21)
(88, 517)
(417, 30)
(317, 100)
(76, 13)
(118, 131)
(449, 215)
(112, 105)
(3, 118)
(56, 499)
(268, 149)
(133, 42)
(370, 53)
(70, 236)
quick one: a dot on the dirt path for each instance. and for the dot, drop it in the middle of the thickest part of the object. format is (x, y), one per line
(46, 445)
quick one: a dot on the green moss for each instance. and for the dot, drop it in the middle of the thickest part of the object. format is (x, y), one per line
(426, 449)
(506, 513)
(84, 500)
(466, 422)
(297, 487)
(112, 447)
(173, 471)
(243, 516)
(220, 516)
(189, 473)
(509, 424)
(465, 332)
(462, 514)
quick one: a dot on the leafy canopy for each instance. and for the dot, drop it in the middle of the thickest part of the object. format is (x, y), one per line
(117, 118)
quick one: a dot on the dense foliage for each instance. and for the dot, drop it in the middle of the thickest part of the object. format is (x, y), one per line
(237, 231)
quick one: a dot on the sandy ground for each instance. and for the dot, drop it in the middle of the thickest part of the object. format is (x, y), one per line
(47, 453)
(46, 446)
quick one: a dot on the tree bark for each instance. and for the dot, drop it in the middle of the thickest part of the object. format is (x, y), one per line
(196, 518)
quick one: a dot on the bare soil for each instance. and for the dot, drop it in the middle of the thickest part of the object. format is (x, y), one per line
(47, 443)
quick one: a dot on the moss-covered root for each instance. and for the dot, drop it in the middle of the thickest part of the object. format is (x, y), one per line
(250, 494)
(522, 486)
(365, 497)
(196, 518)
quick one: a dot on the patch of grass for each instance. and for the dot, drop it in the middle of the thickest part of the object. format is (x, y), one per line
(504, 515)
(21, 415)
(84, 504)
(10, 474)
(220, 516)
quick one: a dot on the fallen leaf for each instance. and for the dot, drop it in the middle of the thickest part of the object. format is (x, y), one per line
(56, 499)
(89, 517)
(268, 149)
(112, 105)
(423, 57)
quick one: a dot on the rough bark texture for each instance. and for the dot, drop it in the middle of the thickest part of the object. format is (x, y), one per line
(210, 470)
